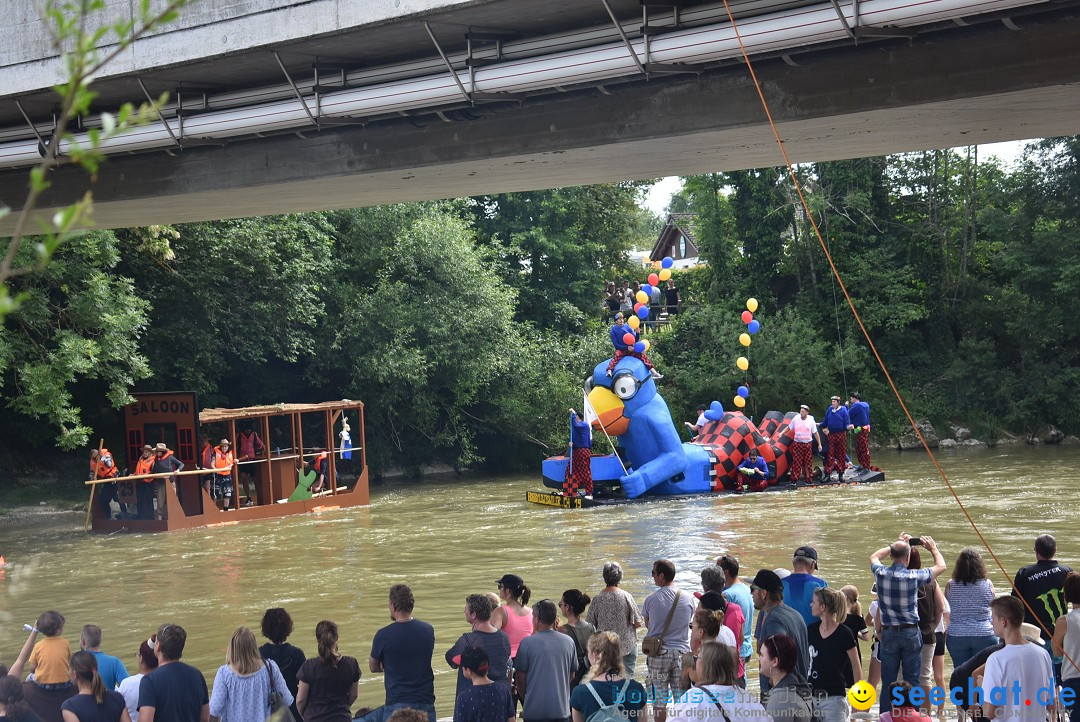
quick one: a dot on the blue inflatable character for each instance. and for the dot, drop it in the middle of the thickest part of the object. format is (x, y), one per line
(630, 407)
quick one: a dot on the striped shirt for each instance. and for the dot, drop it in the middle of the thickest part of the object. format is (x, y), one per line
(970, 613)
(898, 588)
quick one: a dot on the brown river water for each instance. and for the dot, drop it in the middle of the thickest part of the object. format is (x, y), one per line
(449, 537)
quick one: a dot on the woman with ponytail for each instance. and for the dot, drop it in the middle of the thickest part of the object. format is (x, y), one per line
(93, 703)
(13, 707)
(606, 681)
(329, 683)
(514, 617)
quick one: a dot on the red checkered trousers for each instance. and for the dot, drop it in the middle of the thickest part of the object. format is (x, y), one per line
(836, 456)
(802, 456)
(620, 354)
(579, 473)
(862, 447)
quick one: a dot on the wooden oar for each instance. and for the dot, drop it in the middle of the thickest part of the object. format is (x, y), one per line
(90, 506)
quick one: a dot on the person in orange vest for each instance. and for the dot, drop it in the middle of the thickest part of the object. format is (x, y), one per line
(206, 461)
(223, 465)
(165, 462)
(321, 465)
(144, 488)
(102, 466)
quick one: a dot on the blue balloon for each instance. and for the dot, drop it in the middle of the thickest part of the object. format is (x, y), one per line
(667, 262)
(743, 391)
(646, 288)
(754, 326)
(639, 347)
(643, 312)
(715, 411)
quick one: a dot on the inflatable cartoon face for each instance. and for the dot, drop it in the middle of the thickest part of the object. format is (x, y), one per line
(615, 398)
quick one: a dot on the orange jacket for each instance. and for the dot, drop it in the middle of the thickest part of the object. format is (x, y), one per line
(104, 468)
(144, 466)
(223, 461)
(320, 463)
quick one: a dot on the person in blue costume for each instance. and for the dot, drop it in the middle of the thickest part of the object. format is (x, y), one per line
(579, 470)
(623, 349)
(859, 418)
(836, 425)
(629, 407)
(754, 471)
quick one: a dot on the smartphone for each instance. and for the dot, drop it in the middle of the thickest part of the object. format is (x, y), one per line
(915, 541)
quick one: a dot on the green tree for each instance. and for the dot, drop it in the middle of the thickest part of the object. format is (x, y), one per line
(78, 324)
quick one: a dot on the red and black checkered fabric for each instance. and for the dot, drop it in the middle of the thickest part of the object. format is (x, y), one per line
(730, 440)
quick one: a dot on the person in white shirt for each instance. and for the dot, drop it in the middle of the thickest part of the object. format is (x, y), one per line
(129, 687)
(715, 697)
(697, 426)
(805, 428)
(1019, 680)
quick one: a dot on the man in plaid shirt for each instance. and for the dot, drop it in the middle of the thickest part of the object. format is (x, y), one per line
(900, 643)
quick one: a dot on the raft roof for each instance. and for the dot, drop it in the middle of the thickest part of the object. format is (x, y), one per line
(210, 416)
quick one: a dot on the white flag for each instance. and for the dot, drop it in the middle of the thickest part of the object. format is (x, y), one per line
(590, 415)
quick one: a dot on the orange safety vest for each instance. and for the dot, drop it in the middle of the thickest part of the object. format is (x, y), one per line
(144, 466)
(320, 464)
(223, 461)
(104, 468)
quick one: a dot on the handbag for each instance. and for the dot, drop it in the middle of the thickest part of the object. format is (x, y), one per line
(654, 646)
(279, 711)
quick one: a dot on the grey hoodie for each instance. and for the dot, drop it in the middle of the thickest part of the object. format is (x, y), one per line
(789, 700)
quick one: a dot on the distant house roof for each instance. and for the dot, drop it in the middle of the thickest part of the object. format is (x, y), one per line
(670, 243)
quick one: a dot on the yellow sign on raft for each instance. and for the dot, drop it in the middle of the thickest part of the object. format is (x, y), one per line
(565, 502)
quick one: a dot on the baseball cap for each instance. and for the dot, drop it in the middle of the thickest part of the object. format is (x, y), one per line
(511, 581)
(804, 406)
(713, 601)
(806, 553)
(475, 659)
(767, 580)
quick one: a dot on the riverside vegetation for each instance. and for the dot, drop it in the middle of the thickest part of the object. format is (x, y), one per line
(466, 326)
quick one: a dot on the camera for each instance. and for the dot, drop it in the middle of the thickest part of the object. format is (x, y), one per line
(915, 541)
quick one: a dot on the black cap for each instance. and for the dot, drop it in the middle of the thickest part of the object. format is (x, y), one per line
(768, 580)
(511, 581)
(806, 553)
(855, 395)
(701, 408)
(475, 659)
(713, 601)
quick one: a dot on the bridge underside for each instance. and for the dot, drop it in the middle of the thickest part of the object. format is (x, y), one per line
(973, 85)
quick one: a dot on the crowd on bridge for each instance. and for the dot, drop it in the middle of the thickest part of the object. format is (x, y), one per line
(621, 300)
(697, 647)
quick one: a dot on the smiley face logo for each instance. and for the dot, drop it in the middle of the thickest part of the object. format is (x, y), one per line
(862, 696)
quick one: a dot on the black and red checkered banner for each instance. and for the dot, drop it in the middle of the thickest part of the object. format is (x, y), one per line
(730, 439)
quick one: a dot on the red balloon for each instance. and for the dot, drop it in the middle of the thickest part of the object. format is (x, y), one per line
(628, 339)
(637, 306)
(747, 317)
(654, 280)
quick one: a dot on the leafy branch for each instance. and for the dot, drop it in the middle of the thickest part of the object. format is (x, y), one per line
(67, 24)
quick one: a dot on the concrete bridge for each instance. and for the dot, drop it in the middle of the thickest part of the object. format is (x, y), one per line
(674, 99)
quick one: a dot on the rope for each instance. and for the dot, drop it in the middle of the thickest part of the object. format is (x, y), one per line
(836, 308)
(866, 333)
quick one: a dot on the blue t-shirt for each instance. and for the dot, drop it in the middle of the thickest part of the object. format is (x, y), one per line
(617, 333)
(405, 650)
(799, 590)
(111, 669)
(176, 691)
(859, 413)
(484, 703)
(758, 464)
(583, 701)
(579, 433)
(86, 708)
(740, 594)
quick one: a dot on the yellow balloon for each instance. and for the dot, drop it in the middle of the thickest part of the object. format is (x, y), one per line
(647, 344)
(642, 297)
(634, 322)
(744, 339)
(743, 363)
(665, 274)
(739, 401)
(751, 305)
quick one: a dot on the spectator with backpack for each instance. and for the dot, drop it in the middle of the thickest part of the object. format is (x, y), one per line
(572, 604)
(716, 696)
(606, 693)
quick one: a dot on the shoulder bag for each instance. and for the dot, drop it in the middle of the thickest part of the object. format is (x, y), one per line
(279, 711)
(654, 646)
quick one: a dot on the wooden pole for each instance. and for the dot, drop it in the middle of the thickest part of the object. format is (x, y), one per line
(330, 446)
(90, 506)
